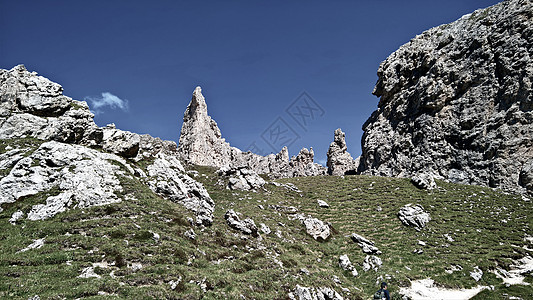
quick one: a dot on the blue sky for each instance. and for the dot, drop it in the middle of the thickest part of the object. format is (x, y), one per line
(253, 60)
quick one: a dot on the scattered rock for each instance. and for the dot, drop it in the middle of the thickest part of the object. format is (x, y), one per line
(16, 216)
(264, 228)
(371, 262)
(35, 245)
(246, 226)
(316, 228)
(88, 273)
(476, 274)
(346, 265)
(322, 203)
(305, 293)
(367, 245)
(339, 161)
(424, 181)
(414, 216)
(190, 234)
(168, 179)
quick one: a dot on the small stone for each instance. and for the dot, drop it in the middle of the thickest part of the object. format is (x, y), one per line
(322, 203)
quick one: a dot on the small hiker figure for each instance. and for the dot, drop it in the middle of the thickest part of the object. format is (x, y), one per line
(382, 294)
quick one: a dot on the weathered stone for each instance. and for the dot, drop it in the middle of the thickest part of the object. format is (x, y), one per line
(33, 106)
(371, 262)
(414, 216)
(322, 203)
(316, 228)
(526, 176)
(306, 293)
(340, 162)
(346, 265)
(367, 245)
(123, 143)
(242, 178)
(84, 177)
(456, 102)
(246, 226)
(201, 143)
(168, 179)
(424, 181)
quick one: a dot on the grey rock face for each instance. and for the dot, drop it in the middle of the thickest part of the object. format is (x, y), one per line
(201, 143)
(372, 262)
(414, 216)
(340, 162)
(33, 106)
(246, 226)
(346, 265)
(457, 101)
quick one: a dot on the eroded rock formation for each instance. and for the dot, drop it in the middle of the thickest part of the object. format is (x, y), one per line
(456, 102)
(340, 162)
(201, 143)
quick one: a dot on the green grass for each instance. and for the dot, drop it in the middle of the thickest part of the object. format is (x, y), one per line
(223, 264)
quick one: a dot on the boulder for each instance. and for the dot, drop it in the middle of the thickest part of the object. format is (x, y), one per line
(526, 176)
(123, 143)
(367, 245)
(371, 262)
(309, 293)
(424, 181)
(246, 226)
(339, 161)
(346, 265)
(414, 215)
(316, 228)
(456, 102)
(242, 178)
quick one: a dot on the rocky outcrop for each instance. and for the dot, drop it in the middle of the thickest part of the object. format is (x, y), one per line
(167, 178)
(414, 215)
(340, 162)
(33, 106)
(81, 177)
(457, 102)
(371, 262)
(201, 143)
(69, 173)
(346, 265)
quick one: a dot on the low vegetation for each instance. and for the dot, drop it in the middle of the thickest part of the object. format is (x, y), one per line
(141, 248)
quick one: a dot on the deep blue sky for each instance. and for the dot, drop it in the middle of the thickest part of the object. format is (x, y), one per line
(252, 58)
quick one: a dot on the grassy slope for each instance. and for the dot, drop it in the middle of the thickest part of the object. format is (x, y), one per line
(226, 264)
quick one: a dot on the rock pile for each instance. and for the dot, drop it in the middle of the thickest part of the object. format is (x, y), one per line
(201, 143)
(306, 293)
(457, 101)
(340, 162)
(414, 215)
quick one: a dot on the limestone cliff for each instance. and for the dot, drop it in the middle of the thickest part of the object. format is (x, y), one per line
(456, 101)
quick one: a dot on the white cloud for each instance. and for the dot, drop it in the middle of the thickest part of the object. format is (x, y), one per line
(107, 100)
